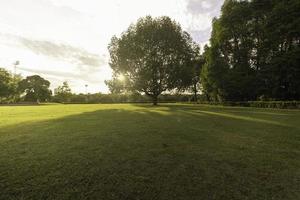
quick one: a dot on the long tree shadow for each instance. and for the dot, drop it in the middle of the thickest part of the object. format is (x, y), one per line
(145, 153)
(239, 113)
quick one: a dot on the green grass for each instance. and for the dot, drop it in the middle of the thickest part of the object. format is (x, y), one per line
(173, 151)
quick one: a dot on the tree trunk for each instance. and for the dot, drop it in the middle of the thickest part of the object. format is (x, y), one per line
(154, 100)
(195, 93)
(207, 97)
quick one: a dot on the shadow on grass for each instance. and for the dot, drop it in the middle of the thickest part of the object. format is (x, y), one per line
(225, 112)
(148, 153)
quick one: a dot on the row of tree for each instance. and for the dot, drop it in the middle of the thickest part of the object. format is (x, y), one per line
(13, 88)
(253, 55)
(254, 52)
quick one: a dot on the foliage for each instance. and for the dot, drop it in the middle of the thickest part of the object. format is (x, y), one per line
(5, 83)
(155, 55)
(8, 86)
(254, 52)
(258, 104)
(125, 98)
(117, 85)
(194, 79)
(62, 94)
(35, 88)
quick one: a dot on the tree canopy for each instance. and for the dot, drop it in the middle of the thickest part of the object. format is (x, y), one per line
(35, 88)
(62, 93)
(9, 91)
(254, 52)
(155, 55)
(6, 83)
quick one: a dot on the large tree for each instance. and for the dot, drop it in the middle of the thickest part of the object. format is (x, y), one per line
(254, 52)
(35, 88)
(155, 55)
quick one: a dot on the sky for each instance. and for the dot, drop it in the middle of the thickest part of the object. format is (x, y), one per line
(66, 40)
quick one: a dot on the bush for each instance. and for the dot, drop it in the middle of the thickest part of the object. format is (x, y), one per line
(125, 98)
(173, 98)
(259, 104)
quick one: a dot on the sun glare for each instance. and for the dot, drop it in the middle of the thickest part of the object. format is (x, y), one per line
(121, 77)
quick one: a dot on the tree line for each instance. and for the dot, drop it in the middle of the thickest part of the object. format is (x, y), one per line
(253, 55)
(15, 89)
(254, 52)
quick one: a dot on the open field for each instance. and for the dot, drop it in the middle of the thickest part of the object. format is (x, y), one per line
(173, 151)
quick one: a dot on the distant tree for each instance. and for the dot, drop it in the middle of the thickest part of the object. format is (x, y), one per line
(9, 91)
(63, 93)
(35, 88)
(16, 96)
(196, 68)
(154, 55)
(6, 84)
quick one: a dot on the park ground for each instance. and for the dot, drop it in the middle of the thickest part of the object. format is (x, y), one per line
(137, 151)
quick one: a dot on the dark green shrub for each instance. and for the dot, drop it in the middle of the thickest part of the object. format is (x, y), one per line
(259, 104)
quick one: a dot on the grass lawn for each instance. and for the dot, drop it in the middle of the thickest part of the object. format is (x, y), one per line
(173, 151)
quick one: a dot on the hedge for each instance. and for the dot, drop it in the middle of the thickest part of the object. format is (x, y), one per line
(260, 104)
(123, 98)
